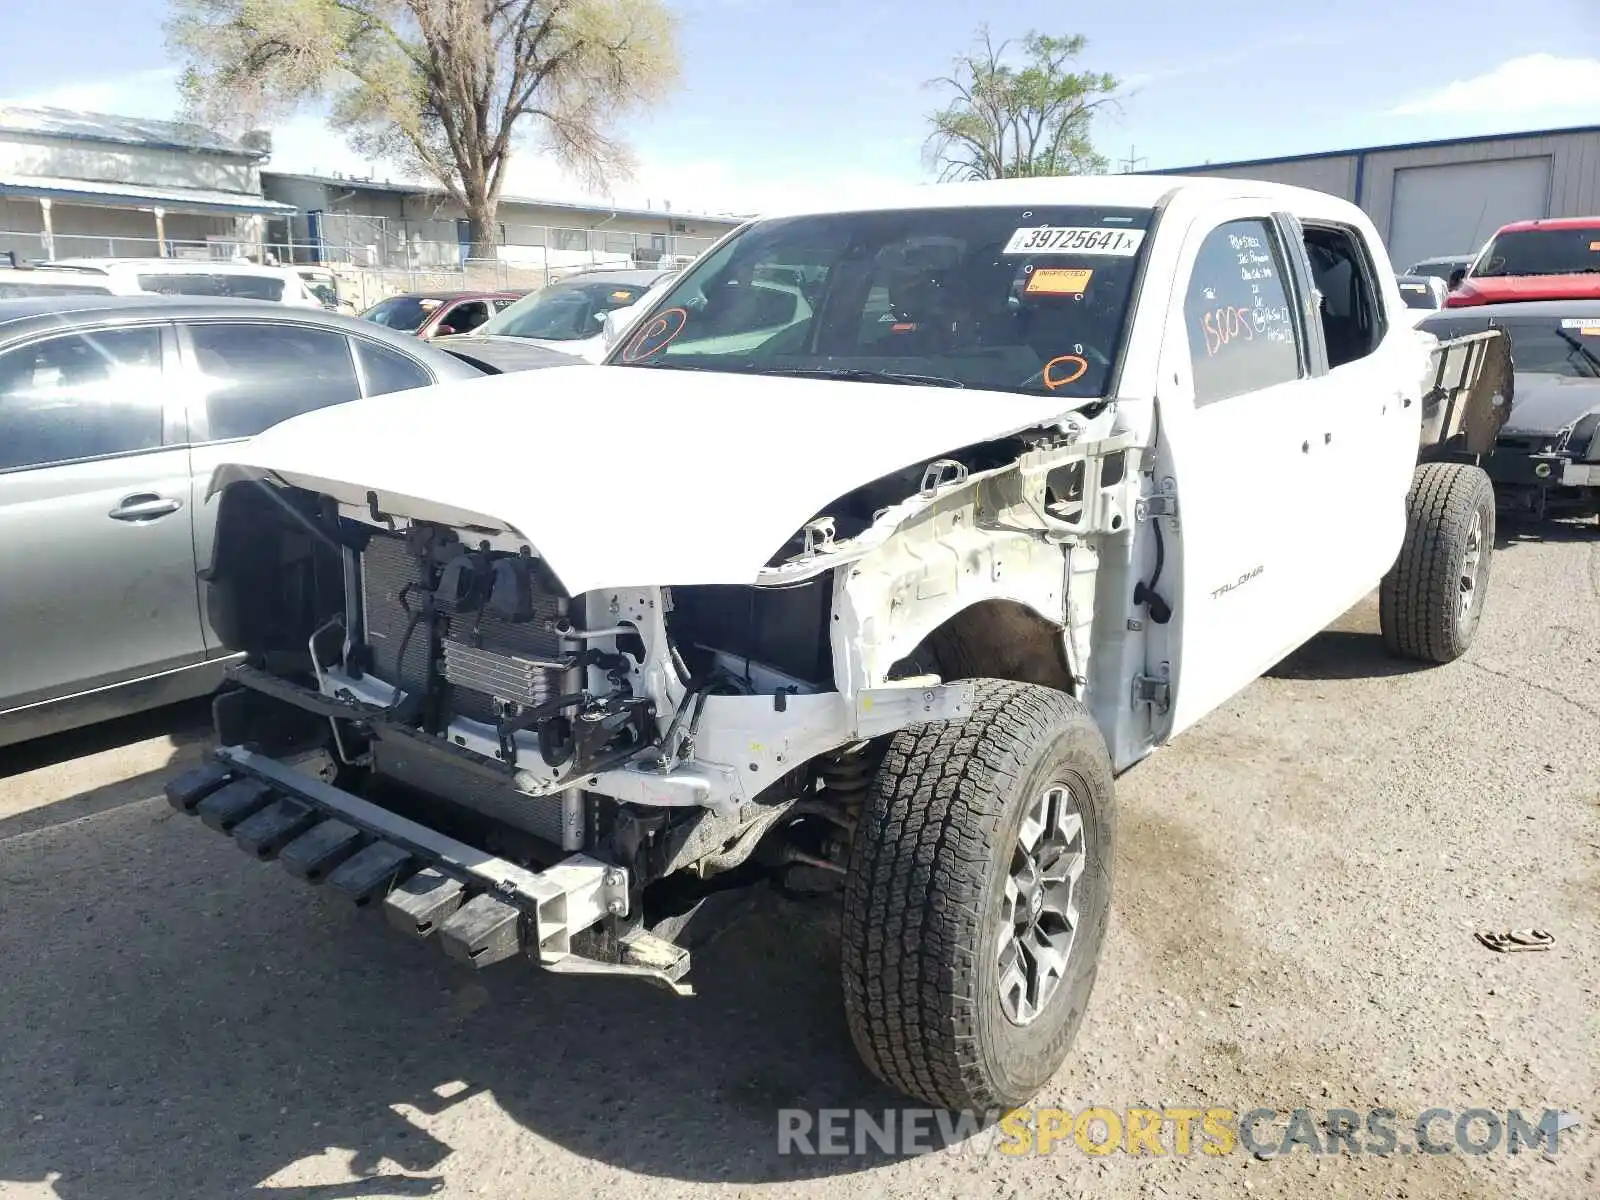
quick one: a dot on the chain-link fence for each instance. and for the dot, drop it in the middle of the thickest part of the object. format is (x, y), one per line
(394, 244)
(374, 257)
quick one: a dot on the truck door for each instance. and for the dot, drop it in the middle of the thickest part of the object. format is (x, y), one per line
(1367, 366)
(1235, 445)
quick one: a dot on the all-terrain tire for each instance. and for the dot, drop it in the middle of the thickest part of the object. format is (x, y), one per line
(926, 884)
(1449, 519)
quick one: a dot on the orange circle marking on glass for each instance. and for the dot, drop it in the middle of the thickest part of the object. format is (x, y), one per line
(1075, 363)
(657, 335)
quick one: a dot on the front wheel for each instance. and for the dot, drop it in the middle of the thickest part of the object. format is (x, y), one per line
(977, 898)
(1430, 602)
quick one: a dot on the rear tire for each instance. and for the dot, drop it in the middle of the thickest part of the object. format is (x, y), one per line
(1430, 602)
(938, 933)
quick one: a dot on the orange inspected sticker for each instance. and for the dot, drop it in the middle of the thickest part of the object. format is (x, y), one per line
(1059, 281)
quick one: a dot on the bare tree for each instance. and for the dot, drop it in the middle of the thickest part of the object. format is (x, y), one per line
(1006, 121)
(442, 87)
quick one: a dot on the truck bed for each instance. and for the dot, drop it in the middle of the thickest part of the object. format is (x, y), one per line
(1467, 396)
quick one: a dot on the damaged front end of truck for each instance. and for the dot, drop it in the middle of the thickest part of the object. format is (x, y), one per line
(428, 719)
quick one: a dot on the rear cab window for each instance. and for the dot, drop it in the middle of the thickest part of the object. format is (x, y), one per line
(1342, 271)
(1031, 300)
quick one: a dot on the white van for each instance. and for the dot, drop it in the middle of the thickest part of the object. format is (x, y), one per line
(189, 277)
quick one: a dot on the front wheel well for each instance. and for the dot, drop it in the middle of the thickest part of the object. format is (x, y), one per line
(993, 639)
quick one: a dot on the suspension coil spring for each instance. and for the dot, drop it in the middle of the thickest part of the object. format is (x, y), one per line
(847, 775)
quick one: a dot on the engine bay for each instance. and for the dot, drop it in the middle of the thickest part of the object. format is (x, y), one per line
(443, 646)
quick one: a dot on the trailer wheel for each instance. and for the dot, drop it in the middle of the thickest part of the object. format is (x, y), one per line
(1430, 602)
(977, 898)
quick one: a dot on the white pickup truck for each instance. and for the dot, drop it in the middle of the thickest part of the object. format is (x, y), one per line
(879, 545)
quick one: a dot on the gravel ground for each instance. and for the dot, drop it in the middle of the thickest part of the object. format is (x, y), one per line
(1299, 879)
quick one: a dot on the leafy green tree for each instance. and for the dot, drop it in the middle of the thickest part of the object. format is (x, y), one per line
(440, 87)
(1006, 120)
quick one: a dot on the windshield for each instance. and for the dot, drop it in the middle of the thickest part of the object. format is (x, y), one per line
(1439, 268)
(1018, 300)
(405, 313)
(1417, 294)
(1539, 345)
(563, 312)
(1541, 252)
(203, 283)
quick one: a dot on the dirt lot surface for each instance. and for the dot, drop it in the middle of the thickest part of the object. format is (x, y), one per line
(1299, 881)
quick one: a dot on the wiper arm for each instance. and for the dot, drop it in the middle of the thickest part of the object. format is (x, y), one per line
(1580, 348)
(663, 364)
(864, 375)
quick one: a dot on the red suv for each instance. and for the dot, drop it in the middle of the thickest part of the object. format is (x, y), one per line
(1553, 259)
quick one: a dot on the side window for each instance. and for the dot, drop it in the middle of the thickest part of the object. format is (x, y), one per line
(195, 283)
(388, 370)
(258, 374)
(467, 315)
(1238, 315)
(80, 395)
(1352, 321)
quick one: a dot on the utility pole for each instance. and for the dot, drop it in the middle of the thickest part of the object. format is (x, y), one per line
(1131, 163)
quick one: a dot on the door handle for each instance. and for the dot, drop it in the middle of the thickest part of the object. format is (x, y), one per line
(144, 506)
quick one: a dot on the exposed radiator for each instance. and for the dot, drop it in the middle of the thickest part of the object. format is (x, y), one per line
(485, 659)
(483, 655)
(557, 819)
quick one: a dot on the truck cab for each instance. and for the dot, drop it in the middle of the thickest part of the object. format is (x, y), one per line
(878, 593)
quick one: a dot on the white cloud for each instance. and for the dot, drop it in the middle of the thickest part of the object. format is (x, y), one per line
(1532, 83)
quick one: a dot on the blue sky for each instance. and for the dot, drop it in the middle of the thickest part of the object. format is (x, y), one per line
(782, 101)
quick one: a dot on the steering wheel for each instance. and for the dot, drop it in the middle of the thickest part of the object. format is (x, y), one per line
(1065, 369)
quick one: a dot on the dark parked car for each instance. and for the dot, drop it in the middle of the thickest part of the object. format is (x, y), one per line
(1547, 455)
(428, 315)
(1444, 267)
(113, 411)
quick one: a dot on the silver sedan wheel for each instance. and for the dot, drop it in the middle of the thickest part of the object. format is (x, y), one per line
(1039, 915)
(1471, 569)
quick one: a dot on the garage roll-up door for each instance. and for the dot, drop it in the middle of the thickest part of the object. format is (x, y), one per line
(1453, 209)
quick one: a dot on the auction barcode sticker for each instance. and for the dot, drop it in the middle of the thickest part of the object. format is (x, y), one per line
(1057, 239)
(1585, 325)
